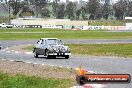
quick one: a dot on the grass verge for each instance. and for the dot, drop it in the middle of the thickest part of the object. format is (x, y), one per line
(21, 81)
(16, 34)
(124, 50)
(23, 75)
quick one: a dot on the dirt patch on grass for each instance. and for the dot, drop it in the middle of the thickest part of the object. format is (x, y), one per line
(36, 70)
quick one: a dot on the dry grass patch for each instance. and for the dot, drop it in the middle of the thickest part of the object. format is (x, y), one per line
(36, 70)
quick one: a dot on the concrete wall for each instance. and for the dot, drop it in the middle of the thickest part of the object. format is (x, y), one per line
(65, 22)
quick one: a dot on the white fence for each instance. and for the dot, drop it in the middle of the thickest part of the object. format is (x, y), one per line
(77, 27)
(107, 27)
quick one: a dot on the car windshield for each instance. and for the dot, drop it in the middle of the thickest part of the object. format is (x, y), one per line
(54, 42)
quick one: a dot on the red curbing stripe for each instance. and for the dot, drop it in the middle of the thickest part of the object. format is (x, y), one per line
(88, 86)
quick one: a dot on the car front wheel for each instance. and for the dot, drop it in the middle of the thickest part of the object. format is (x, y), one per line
(66, 57)
(46, 54)
(36, 55)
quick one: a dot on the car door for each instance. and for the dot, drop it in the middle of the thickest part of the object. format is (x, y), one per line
(38, 47)
(42, 47)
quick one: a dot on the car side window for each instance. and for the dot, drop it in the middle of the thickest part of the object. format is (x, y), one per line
(39, 42)
(61, 42)
(43, 42)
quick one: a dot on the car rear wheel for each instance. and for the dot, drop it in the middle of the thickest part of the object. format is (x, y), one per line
(35, 54)
(54, 57)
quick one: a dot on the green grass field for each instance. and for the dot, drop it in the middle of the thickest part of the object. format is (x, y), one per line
(15, 34)
(21, 81)
(123, 50)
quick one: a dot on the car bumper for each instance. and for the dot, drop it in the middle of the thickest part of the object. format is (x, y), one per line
(60, 54)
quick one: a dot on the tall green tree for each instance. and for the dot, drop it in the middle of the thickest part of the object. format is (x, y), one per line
(70, 10)
(83, 13)
(60, 11)
(26, 11)
(16, 6)
(98, 13)
(106, 11)
(55, 7)
(120, 9)
(78, 13)
(45, 12)
(129, 12)
(92, 7)
(42, 7)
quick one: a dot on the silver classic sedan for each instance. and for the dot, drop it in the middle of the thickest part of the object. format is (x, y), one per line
(51, 47)
(0, 46)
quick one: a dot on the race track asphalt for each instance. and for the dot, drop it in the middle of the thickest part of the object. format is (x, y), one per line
(98, 64)
(7, 43)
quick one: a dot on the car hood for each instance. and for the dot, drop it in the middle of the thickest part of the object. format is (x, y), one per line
(58, 46)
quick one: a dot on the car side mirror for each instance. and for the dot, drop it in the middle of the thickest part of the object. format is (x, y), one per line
(62, 43)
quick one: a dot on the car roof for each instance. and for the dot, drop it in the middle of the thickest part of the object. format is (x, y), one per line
(48, 38)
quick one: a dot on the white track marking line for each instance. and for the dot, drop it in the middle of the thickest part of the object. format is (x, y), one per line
(4, 59)
(97, 85)
(90, 86)
(8, 51)
(76, 87)
(16, 52)
(3, 50)
(52, 65)
(28, 62)
(28, 52)
(12, 60)
(34, 63)
(12, 50)
(60, 66)
(42, 64)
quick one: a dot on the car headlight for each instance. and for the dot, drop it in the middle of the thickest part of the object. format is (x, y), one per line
(68, 49)
(55, 49)
(51, 49)
(63, 49)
